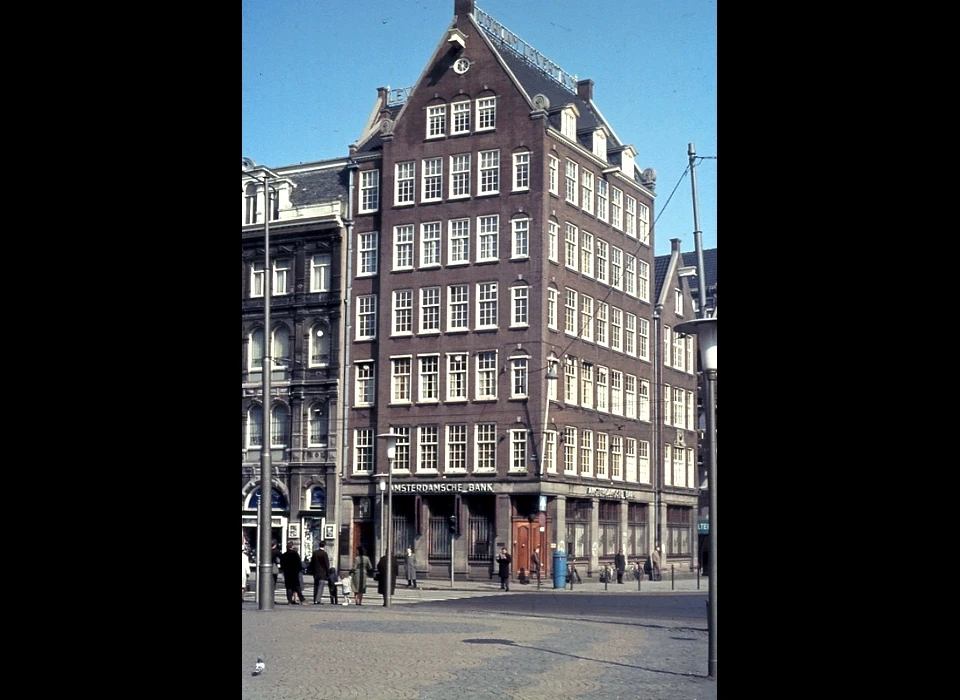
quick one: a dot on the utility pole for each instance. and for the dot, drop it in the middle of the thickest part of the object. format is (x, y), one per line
(697, 234)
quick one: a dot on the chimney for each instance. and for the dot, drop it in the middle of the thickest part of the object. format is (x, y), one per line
(462, 8)
(585, 89)
(674, 245)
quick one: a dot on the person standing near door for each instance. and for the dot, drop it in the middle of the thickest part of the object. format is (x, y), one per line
(655, 565)
(535, 564)
(620, 564)
(503, 561)
(292, 569)
(320, 568)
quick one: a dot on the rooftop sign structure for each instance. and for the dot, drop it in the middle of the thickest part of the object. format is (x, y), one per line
(511, 41)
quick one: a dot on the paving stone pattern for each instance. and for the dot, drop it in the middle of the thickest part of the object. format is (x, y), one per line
(407, 652)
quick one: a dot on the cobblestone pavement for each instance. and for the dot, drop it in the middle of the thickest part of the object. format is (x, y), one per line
(410, 652)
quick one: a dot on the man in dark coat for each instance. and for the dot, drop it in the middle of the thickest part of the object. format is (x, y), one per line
(535, 564)
(503, 562)
(320, 568)
(620, 564)
(291, 567)
(382, 576)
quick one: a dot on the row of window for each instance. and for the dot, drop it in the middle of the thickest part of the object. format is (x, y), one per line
(318, 348)
(459, 185)
(455, 446)
(282, 277)
(461, 117)
(595, 258)
(596, 321)
(317, 426)
(595, 196)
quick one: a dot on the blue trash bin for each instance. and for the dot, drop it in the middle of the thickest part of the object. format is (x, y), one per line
(559, 569)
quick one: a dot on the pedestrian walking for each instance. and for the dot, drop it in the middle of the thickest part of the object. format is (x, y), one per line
(246, 574)
(346, 580)
(275, 562)
(320, 568)
(382, 576)
(620, 564)
(362, 569)
(655, 565)
(292, 568)
(535, 564)
(503, 562)
(410, 566)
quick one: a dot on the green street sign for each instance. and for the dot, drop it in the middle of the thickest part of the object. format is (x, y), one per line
(703, 527)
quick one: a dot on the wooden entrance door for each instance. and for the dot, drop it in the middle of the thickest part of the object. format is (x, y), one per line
(526, 538)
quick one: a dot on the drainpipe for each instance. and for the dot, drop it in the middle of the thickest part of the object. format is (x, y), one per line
(656, 400)
(345, 374)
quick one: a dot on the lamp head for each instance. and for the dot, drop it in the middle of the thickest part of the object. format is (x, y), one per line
(706, 331)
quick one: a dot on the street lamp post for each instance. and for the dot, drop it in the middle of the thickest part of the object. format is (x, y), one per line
(391, 439)
(706, 331)
(382, 484)
(265, 584)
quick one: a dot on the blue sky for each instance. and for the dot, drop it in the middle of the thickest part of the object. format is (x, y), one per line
(311, 69)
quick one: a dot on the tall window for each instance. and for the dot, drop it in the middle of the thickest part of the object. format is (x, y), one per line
(570, 450)
(586, 191)
(460, 175)
(486, 447)
(427, 441)
(553, 175)
(586, 254)
(489, 172)
(367, 245)
(616, 457)
(521, 171)
(458, 298)
(603, 258)
(643, 339)
(488, 237)
(570, 380)
(586, 385)
(486, 375)
(518, 450)
(256, 279)
(429, 378)
(403, 247)
(550, 452)
(436, 121)
(553, 233)
(643, 280)
(457, 377)
(552, 308)
(571, 172)
(521, 306)
(369, 191)
(317, 433)
(631, 220)
(400, 373)
(616, 392)
(643, 221)
(456, 448)
(602, 455)
(616, 329)
(363, 450)
(519, 374)
(406, 184)
(486, 113)
(602, 189)
(319, 345)
(570, 312)
(616, 208)
(487, 304)
(570, 245)
(630, 395)
(250, 204)
(630, 335)
(630, 276)
(403, 312)
(616, 267)
(521, 238)
(630, 459)
(603, 389)
(281, 276)
(459, 241)
(430, 310)
(365, 385)
(643, 462)
(586, 317)
(430, 244)
(367, 317)
(461, 117)
(601, 322)
(279, 426)
(644, 400)
(586, 452)
(432, 180)
(320, 272)
(255, 427)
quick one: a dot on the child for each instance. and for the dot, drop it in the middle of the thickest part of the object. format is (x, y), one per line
(332, 579)
(347, 587)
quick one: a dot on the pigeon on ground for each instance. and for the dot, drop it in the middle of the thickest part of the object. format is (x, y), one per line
(258, 668)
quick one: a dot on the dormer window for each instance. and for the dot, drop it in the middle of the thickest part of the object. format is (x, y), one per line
(626, 161)
(253, 203)
(600, 144)
(568, 122)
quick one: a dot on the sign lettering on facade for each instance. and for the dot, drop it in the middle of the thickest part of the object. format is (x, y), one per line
(443, 488)
(608, 493)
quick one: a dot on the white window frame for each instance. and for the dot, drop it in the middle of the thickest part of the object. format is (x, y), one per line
(570, 381)
(643, 280)
(553, 175)
(571, 173)
(518, 451)
(616, 208)
(485, 448)
(643, 223)
(428, 449)
(429, 310)
(630, 334)
(521, 171)
(488, 172)
(643, 338)
(486, 114)
(458, 301)
(630, 227)
(488, 299)
(570, 320)
(320, 270)
(455, 448)
(486, 376)
(630, 275)
(570, 450)
(603, 260)
(405, 186)
(601, 452)
(520, 238)
(586, 253)
(458, 372)
(678, 302)
(460, 112)
(459, 176)
(630, 396)
(586, 385)
(369, 194)
(431, 234)
(363, 450)
(551, 308)
(599, 145)
(553, 235)
(601, 320)
(616, 329)
(365, 383)
(368, 253)
(520, 304)
(431, 187)
(586, 452)
(401, 380)
(282, 276)
(616, 458)
(488, 238)
(436, 121)
(586, 191)
(602, 393)
(403, 238)
(643, 461)
(603, 196)
(367, 316)
(428, 378)
(458, 242)
(519, 377)
(571, 243)
(586, 318)
(616, 392)
(616, 267)
(402, 312)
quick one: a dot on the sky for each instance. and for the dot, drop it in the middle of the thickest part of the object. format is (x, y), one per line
(311, 69)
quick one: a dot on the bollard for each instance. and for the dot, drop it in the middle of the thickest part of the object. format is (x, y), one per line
(606, 577)
(671, 577)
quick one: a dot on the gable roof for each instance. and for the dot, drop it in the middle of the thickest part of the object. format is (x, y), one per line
(661, 264)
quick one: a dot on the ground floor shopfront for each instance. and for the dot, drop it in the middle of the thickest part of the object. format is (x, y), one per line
(589, 524)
